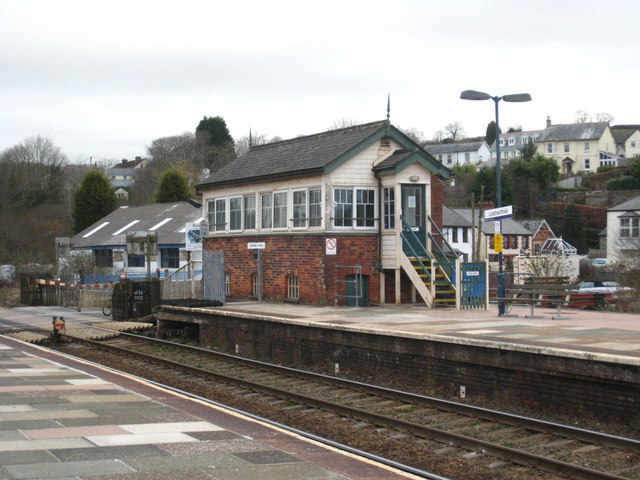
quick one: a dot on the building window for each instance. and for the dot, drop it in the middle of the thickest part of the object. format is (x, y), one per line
(449, 159)
(104, 257)
(549, 147)
(300, 209)
(280, 210)
(255, 285)
(454, 234)
(587, 164)
(250, 212)
(587, 146)
(343, 207)
(566, 148)
(525, 242)
(502, 142)
(630, 227)
(389, 208)
(217, 214)
(266, 207)
(315, 207)
(365, 207)
(227, 284)
(293, 288)
(633, 144)
(467, 157)
(135, 260)
(169, 258)
(235, 213)
(512, 141)
(524, 140)
(440, 157)
(465, 235)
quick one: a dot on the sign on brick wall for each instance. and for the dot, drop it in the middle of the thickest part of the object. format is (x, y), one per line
(331, 245)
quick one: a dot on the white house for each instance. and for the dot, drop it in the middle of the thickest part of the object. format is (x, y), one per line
(460, 153)
(623, 232)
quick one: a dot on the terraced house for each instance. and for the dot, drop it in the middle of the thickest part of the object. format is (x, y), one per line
(327, 214)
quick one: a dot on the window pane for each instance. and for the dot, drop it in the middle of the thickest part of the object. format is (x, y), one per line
(315, 208)
(235, 213)
(267, 210)
(249, 212)
(280, 210)
(300, 209)
(365, 208)
(343, 207)
(220, 212)
(169, 257)
(389, 208)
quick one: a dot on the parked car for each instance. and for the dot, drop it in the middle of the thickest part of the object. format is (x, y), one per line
(599, 262)
(604, 286)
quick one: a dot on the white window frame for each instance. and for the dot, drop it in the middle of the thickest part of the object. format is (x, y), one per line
(314, 222)
(293, 287)
(262, 196)
(587, 164)
(354, 208)
(512, 141)
(389, 212)
(285, 205)
(245, 210)
(215, 226)
(241, 211)
(304, 220)
(587, 146)
(567, 148)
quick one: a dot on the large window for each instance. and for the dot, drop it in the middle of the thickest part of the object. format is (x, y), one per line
(315, 207)
(104, 257)
(169, 258)
(307, 208)
(300, 209)
(354, 201)
(266, 208)
(135, 260)
(389, 208)
(217, 214)
(630, 227)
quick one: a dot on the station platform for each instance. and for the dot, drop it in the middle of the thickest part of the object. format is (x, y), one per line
(68, 419)
(578, 333)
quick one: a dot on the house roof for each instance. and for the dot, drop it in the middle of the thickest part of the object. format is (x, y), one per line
(518, 136)
(509, 226)
(534, 225)
(622, 134)
(633, 204)
(457, 147)
(573, 131)
(308, 155)
(168, 219)
(451, 218)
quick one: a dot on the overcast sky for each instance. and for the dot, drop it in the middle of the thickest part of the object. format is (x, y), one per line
(104, 79)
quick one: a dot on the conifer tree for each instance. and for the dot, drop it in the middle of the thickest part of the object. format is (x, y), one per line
(93, 200)
(173, 187)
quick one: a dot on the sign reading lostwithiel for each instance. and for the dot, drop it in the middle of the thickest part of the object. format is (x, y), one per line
(256, 245)
(498, 213)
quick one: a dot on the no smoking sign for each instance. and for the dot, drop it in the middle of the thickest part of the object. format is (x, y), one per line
(331, 245)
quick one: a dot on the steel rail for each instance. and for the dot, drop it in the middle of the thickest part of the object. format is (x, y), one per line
(469, 443)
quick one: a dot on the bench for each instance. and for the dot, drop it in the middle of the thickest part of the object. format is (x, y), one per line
(542, 295)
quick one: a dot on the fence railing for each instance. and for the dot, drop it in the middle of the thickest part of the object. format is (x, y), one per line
(186, 282)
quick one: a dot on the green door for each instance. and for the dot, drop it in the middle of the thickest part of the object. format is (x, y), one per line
(413, 211)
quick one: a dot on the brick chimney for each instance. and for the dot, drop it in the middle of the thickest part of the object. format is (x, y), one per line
(548, 121)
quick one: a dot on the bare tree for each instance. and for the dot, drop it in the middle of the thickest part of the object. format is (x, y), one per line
(439, 136)
(582, 117)
(242, 144)
(343, 123)
(36, 150)
(604, 117)
(414, 134)
(455, 130)
(166, 152)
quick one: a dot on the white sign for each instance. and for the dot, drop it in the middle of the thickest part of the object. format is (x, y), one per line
(331, 245)
(498, 213)
(256, 245)
(472, 273)
(193, 238)
(497, 227)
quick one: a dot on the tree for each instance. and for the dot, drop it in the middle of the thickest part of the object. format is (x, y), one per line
(173, 187)
(415, 135)
(455, 130)
(604, 117)
(93, 200)
(529, 150)
(242, 144)
(438, 136)
(214, 143)
(487, 177)
(490, 136)
(531, 176)
(573, 227)
(582, 117)
(36, 150)
(517, 128)
(343, 123)
(214, 131)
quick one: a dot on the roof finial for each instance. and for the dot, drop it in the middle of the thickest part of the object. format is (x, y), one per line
(250, 138)
(388, 114)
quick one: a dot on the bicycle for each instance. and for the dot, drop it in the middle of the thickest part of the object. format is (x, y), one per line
(107, 309)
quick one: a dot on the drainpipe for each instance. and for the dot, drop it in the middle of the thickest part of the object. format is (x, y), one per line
(380, 219)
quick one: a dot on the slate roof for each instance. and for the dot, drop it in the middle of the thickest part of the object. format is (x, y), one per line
(168, 219)
(633, 204)
(306, 155)
(395, 158)
(622, 132)
(451, 218)
(573, 131)
(532, 225)
(440, 148)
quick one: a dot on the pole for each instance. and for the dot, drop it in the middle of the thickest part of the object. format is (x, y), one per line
(501, 285)
(260, 275)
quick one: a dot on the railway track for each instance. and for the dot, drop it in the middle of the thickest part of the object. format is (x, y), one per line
(495, 439)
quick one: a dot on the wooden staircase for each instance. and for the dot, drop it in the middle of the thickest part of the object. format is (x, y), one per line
(445, 293)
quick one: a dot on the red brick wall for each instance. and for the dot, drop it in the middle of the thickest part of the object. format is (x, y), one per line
(437, 200)
(303, 256)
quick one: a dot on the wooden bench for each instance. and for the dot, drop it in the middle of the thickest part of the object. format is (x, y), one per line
(542, 295)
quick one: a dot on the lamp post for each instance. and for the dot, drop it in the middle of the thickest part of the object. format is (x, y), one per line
(516, 97)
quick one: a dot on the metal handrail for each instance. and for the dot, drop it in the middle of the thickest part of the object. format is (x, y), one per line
(406, 227)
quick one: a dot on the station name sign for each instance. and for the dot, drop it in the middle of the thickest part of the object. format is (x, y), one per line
(498, 213)
(256, 245)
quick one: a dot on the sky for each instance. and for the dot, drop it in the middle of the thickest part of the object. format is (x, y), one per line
(104, 79)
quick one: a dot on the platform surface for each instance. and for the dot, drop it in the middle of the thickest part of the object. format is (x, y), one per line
(67, 419)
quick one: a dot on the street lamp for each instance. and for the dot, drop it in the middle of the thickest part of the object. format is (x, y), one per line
(516, 97)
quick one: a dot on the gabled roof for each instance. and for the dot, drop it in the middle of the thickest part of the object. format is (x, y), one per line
(573, 131)
(457, 147)
(402, 158)
(168, 219)
(451, 218)
(633, 204)
(308, 155)
(534, 225)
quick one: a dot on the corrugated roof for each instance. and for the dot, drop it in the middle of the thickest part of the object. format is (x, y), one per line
(302, 155)
(168, 218)
(573, 131)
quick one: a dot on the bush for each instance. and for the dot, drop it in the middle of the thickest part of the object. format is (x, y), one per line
(624, 183)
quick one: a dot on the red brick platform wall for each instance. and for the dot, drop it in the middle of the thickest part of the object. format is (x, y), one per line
(303, 256)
